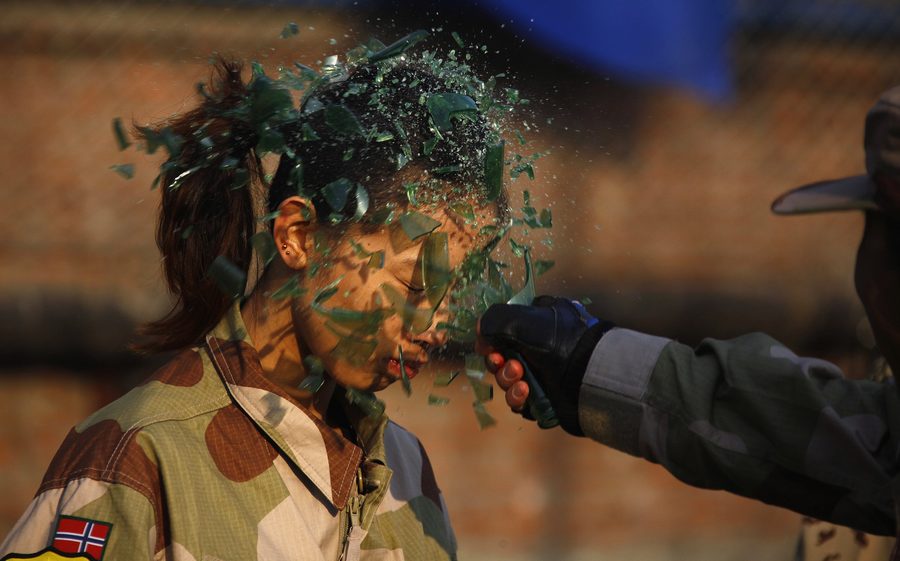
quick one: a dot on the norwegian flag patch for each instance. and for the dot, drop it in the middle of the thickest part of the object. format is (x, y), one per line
(80, 535)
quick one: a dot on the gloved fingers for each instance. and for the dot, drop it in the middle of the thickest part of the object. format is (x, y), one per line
(494, 361)
(511, 373)
(514, 325)
(516, 396)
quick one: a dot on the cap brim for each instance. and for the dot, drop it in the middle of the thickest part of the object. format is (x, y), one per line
(851, 193)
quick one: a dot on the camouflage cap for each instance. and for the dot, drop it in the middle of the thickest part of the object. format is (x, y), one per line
(859, 192)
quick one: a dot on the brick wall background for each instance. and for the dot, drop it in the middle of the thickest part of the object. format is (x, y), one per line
(661, 216)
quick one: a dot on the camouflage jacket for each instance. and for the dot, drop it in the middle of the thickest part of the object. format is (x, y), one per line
(209, 460)
(750, 417)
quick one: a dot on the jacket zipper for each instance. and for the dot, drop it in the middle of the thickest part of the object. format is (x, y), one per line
(355, 532)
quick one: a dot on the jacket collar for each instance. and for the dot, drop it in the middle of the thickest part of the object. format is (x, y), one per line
(322, 453)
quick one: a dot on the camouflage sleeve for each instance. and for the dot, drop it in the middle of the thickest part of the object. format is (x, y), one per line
(100, 498)
(750, 417)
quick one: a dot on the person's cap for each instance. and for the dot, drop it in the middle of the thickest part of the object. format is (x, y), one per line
(882, 144)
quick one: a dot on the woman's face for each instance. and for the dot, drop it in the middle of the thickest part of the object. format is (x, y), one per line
(362, 286)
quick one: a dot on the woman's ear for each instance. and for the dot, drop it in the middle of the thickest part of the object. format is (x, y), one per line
(292, 230)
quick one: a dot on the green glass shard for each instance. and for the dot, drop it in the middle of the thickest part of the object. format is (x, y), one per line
(366, 401)
(444, 106)
(271, 140)
(436, 273)
(404, 377)
(121, 135)
(525, 167)
(336, 193)
(326, 292)
(474, 365)
(546, 218)
(290, 30)
(498, 281)
(384, 136)
(186, 232)
(517, 248)
(268, 100)
(264, 246)
(315, 374)
(444, 378)
(483, 391)
(411, 192)
(399, 47)
(586, 301)
(228, 277)
(493, 170)
(293, 81)
(542, 266)
(163, 137)
(484, 418)
(290, 289)
(415, 224)
(465, 210)
(308, 133)
(428, 145)
(525, 296)
(384, 215)
(402, 160)
(314, 365)
(311, 383)
(362, 202)
(401, 132)
(295, 178)
(444, 170)
(520, 137)
(436, 400)
(416, 320)
(306, 72)
(374, 45)
(312, 105)
(354, 349)
(359, 323)
(458, 39)
(359, 250)
(125, 170)
(342, 120)
(376, 260)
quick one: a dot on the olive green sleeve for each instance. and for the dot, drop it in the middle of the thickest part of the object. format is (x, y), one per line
(750, 417)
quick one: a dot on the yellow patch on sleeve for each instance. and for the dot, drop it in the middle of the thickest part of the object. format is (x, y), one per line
(46, 555)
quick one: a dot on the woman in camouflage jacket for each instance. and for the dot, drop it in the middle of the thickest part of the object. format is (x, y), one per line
(261, 439)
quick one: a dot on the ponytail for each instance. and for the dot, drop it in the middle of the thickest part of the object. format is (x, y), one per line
(207, 206)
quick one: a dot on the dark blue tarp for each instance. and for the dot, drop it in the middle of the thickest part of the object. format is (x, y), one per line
(680, 42)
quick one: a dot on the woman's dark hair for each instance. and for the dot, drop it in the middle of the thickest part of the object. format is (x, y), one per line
(370, 129)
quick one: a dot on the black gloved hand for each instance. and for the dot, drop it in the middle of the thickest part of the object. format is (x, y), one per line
(556, 337)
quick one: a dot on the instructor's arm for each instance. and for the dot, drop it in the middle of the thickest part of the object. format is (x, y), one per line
(746, 415)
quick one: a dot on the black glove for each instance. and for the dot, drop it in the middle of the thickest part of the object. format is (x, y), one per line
(556, 337)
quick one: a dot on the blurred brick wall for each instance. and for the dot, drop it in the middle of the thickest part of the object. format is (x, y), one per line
(661, 215)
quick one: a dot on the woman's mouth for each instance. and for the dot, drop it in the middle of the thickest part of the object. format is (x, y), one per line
(411, 366)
